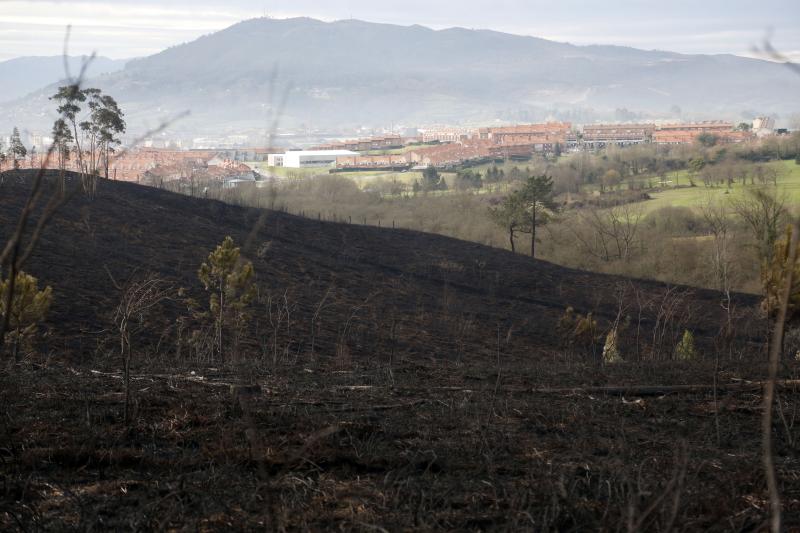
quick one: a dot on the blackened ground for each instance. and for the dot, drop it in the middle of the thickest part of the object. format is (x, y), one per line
(420, 407)
(426, 447)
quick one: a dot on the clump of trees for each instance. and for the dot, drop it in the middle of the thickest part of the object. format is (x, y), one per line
(431, 181)
(526, 209)
(468, 179)
(494, 174)
(94, 130)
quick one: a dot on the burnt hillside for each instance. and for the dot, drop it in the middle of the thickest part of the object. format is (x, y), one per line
(312, 430)
(377, 290)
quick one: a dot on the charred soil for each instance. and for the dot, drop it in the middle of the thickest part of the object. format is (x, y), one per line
(410, 381)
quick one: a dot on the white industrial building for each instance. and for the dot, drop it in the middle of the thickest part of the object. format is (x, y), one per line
(306, 158)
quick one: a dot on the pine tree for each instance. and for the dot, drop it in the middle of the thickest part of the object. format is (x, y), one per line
(28, 306)
(229, 279)
(16, 150)
(538, 198)
(685, 351)
(511, 216)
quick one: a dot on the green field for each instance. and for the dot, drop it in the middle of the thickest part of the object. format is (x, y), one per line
(363, 179)
(788, 182)
(285, 172)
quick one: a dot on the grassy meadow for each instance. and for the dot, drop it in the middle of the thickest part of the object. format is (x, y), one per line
(677, 194)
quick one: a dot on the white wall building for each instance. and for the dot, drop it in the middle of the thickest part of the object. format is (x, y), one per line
(763, 126)
(306, 158)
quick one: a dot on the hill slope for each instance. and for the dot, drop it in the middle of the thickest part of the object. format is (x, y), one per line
(355, 73)
(381, 425)
(375, 291)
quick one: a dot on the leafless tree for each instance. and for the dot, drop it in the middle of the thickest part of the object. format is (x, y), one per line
(316, 318)
(613, 232)
(672, 314)
(718, 220)
(764, 211)
(138, 299)
(279, 313)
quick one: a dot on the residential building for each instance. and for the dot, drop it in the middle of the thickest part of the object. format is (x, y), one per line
(601, 135)
(445, 135)
(547, 134)
(689, 132)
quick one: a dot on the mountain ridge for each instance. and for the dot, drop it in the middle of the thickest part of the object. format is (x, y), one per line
(352, 73)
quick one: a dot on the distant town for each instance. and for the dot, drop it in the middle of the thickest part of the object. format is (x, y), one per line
(230, 161)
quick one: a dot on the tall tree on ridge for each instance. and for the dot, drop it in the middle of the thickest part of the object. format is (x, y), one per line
(16, 149)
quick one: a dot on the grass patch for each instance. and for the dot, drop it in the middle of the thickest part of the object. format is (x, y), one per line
(681, 196)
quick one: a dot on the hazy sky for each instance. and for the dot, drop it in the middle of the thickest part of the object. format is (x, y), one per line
(129, 28)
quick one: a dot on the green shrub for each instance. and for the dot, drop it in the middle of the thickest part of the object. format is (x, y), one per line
(611, 353)
(685, 350)
(578, 331)
(29, 306)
